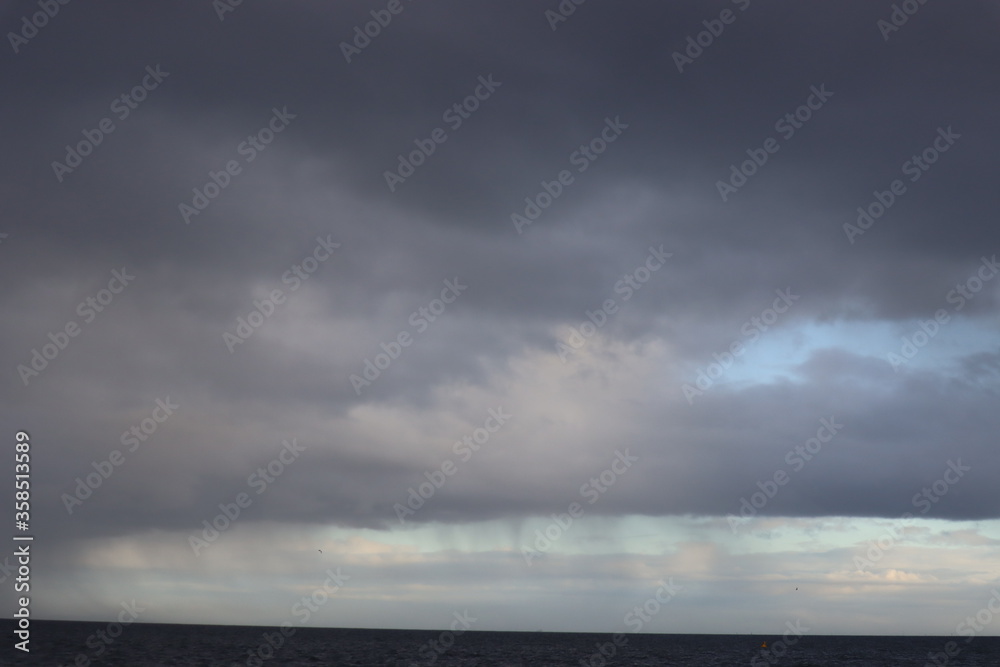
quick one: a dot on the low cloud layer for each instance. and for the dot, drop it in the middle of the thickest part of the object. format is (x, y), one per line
(747, 244)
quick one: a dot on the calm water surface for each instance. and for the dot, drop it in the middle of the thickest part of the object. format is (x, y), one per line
(56, 643)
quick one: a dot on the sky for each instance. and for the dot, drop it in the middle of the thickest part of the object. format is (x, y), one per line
(545, 312)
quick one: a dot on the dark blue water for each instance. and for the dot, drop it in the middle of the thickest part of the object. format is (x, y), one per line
(55, 643)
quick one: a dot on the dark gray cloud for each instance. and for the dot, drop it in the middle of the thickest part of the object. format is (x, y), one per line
(496, 344)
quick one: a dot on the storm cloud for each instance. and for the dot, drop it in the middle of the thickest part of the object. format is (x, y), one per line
(428, 270)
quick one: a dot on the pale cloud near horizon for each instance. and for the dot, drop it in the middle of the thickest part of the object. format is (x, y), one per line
(646, 358)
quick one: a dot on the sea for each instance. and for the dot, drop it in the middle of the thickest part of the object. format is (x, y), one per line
(65, 643)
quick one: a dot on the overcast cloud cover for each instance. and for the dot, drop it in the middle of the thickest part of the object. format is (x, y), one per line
(736, 310)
